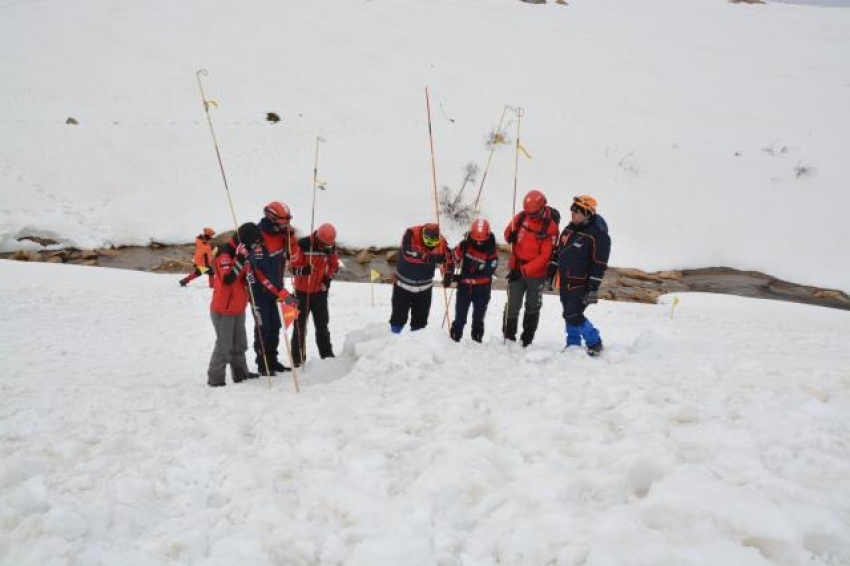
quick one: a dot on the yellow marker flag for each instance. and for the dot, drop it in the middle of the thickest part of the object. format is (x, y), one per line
(673, 307)
(524, 151)
(375, 275)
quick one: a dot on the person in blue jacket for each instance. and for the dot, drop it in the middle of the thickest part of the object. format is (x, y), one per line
(581, 258)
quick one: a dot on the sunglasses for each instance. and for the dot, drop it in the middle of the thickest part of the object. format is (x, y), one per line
(579, 209)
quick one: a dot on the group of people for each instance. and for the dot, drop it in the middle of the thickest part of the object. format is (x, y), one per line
(250, 267)
(575, 261)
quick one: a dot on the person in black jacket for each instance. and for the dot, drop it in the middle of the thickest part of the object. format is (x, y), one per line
(581, 259)
(476, 255)
(422, 251)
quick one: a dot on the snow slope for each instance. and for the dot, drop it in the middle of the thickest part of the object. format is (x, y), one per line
(718, 436)
(712, 133)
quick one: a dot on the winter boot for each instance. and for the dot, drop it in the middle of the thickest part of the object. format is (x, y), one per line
(183, 282)
(279, 367)
(529, 327)
(396, 328)
(456, 333)
(595, 350)
(509, 329)
(327, 355)
(477, 334)
(262, 371)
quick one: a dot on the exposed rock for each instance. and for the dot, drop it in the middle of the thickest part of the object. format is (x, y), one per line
(363, 257)
(173, 265)
(55, 259)
(272, 117)
(87, 254)
(71, 121)
(829, 294)
(107, 252)
(670, 275)
(392, 256)
(634, 294)
(38, 240)
(638, 274)
(26, 255)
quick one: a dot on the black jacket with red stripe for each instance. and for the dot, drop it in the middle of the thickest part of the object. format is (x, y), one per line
(478, 261)
(414, 271)
(582, 254)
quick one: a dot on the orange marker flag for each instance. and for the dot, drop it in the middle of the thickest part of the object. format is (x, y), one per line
(289, 314)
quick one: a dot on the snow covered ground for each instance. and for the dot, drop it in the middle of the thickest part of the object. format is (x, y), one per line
(712, 133)
(718, 436)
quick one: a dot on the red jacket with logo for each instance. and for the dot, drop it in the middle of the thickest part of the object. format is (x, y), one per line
(535, 240)
(230, 288)
(232, 273)
(323, 262)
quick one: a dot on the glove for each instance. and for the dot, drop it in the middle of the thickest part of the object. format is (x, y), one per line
(447, 279)
(241, 250)
(326, 283)
(182, 282)
(514, 275)
(511, 237)
(306, 270)
(591, 296)
(551, 271)
(287, 299)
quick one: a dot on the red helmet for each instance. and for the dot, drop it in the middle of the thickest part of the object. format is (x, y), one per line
(533, 202)
(278, 213)
(209, 232)
(326, 234)
(480, 230)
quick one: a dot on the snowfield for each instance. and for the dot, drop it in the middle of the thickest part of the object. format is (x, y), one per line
(713, 134)
(718, 436)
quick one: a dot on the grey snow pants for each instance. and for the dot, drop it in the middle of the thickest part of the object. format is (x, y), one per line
(231, 343)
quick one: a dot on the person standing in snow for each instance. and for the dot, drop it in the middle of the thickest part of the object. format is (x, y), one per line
(315, 261)
(532, 234)
(581, 259)
(476, 255)
(227, 309)
(422, 250)
(270, 259)
(202, 260)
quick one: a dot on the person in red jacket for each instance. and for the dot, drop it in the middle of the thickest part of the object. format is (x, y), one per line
(532, 234)
(227, 309)
(314, 264)
(422, 250)
(202, 260)
(476, 255)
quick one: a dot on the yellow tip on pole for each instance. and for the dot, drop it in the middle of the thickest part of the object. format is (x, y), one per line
(673, 306)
